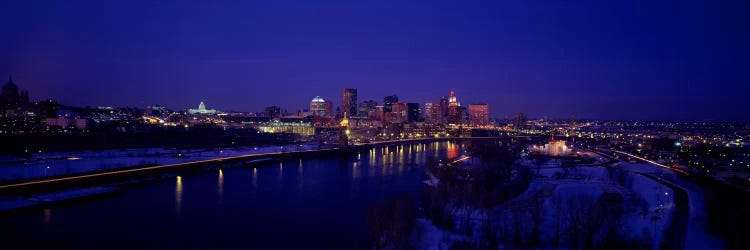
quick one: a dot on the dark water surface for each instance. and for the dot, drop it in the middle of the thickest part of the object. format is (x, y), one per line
(295, 204)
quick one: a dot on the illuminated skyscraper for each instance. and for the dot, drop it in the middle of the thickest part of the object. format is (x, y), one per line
(319, 107)
(452, 100)
(328, 106)
(443, 108)
(479, 114)
(349, 102)
(433, 113)
(402, 111)
(454, 110)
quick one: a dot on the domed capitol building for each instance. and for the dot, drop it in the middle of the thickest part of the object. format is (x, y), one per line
(202, 110)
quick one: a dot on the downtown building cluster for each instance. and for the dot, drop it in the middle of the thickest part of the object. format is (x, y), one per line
(393, 117)
(366, 120)
(719, 150)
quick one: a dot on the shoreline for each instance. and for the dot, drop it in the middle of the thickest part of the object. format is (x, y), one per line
(28, 186)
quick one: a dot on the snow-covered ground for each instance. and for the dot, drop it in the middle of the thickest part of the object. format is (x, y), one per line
(427, 236)
(10, 203)
(591, 155)
(48, 164)
(656, 215)
(697, 234)
(559, 194)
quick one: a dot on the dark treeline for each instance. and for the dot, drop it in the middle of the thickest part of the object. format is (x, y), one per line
(477, 202)
(464, 195)
(727, 210)
(390, 222)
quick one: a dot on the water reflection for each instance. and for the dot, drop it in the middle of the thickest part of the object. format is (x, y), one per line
(299, 169)
(453, 150)
(220, 188)
(255, 179)
(300, 177)
(372, 160)
(355, 170)
(274, 208)
(47, 218)
(178, 195)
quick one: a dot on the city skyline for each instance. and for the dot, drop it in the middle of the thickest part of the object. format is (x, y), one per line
(408, 124)
(339, 105)
(595, 60)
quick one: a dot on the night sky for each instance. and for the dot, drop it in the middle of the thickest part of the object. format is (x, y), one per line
(662, 60)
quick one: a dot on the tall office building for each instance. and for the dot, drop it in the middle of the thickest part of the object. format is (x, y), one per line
(367, 107)
(349, 102)
(388, 101)
(413, 112)
(479, 114)
(455, 116)
(464, 113)
(443, 108)
(320, 107)
(328, 104)
(379, 113)
(433, 113)
(401, 109)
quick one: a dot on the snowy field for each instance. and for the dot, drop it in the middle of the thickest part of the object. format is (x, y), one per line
(697, 234)
(558, 198)
(49, 164)
(647, 205)
(429, 237)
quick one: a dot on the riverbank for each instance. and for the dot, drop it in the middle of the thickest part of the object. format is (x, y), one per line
(310, 202)
(99, 176)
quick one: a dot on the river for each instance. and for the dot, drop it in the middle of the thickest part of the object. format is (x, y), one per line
(306, 203)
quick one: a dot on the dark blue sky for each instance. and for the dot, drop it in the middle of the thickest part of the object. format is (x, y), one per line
(664, 60)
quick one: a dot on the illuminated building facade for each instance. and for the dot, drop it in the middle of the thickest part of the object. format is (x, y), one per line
(479, 114)
(202, 110)
(433, 113)
(400, 111)
(320, 107)
(455, 115)
(298, 128)
(328, 107)
(553, 148)
(388, 102)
